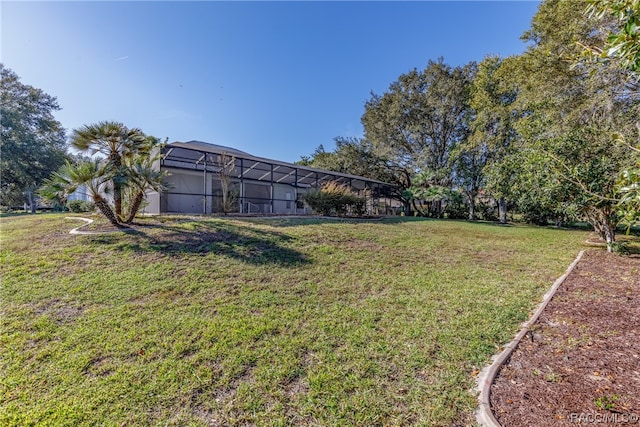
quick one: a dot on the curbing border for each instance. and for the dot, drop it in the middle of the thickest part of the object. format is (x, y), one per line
(77, 229)
(484, 415)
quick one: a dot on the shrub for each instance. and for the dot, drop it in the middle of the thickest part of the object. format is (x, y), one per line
(335, 199)
(80, 206)
(456, 207)
(487, 211)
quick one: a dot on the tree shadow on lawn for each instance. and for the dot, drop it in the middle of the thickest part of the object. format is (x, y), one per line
(250, 245)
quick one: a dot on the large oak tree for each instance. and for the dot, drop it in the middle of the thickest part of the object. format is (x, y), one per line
(418, 121)
(32, 141)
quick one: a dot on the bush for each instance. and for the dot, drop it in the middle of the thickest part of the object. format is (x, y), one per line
(335, 199)
(80, 206)
(358, 206)
(456, 207)
(487, 211)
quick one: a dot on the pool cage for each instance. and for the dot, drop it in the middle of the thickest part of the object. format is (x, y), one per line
(207, 179)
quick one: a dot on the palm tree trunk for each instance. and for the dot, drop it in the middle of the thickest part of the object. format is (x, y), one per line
(117, 199)
(105, 209)
(135, 205)
(116, 160)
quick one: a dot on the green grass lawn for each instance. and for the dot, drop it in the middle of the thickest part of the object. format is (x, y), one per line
(261, 322)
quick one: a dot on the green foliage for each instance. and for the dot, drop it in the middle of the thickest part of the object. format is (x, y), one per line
(470, 162)
(567, 158)
(335, 199)
(606, 402)
(493, 127)
(128, 171)
(623, 42)
(487, 211)
(94, 175)
(80, 206)
(628, 187)
(456, 208)
(545, 130)
(32, 141)
(416, 124)
(143, 175)
(355, 156)
(117, 143)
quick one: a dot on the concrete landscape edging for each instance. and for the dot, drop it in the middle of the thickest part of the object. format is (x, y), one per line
(484, 415)
(77, 229)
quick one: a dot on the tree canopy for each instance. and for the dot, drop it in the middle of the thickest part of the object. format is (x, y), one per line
(32, 141)
(571, 110)
(416, 124)
(551, 131)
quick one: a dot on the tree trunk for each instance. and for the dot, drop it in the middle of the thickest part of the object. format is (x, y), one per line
(600, 218)
(502, 210)
(472, 209)
(225, 196)
(105, 209)
(609, 236)
(117, 200)
(417, 210)
(116, 160)
(32, 203)
(135, 205)
(407, 208)
(437, 208)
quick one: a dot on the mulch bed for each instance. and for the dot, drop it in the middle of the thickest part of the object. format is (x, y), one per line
(580, 363)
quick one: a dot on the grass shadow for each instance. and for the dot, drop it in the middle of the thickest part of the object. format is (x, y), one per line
(247, 244)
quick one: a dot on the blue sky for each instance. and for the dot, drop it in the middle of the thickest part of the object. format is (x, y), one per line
(275, 79)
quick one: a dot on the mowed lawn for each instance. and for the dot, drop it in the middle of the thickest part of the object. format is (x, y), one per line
(261, 322)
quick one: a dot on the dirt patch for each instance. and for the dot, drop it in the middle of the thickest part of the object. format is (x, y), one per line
(298, 386)
(60, 311)
(162, 296)
(359, 244)
(580, 363)
(100, 367)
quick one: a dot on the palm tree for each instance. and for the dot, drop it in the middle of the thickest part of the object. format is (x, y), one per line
(93, 174)
(142, 177)
(117, 142)
(55, 189)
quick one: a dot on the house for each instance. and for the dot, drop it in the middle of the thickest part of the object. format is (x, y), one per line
(80, 193)
(203, 176)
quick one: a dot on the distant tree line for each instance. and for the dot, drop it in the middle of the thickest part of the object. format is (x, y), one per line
(552, 132)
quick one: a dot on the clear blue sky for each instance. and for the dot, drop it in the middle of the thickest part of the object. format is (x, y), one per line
(275, 79)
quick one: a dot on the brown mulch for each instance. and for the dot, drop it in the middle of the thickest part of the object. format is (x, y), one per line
(580, 363)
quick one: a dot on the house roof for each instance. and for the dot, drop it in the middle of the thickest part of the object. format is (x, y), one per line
(211, 148)
(199, 155)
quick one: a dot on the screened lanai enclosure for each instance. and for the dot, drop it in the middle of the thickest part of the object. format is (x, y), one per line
(207, 178)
